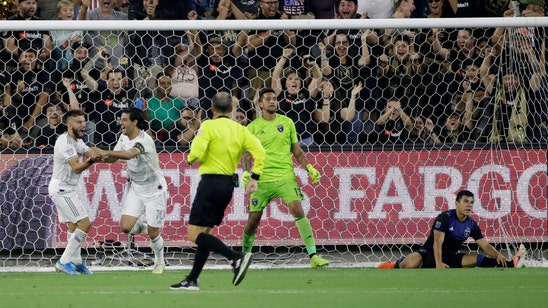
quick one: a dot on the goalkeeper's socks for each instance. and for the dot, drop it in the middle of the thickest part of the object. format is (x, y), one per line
(157, 246)
(247, 242)
(74, 245)
(211, 243)
(305, 230)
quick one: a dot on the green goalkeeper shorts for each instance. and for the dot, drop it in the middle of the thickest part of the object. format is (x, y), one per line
(287, 190)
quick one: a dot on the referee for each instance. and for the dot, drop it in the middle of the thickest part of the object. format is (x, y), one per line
(218, 146)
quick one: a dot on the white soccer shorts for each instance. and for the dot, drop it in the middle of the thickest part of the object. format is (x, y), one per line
(69, 208)
(155, 207)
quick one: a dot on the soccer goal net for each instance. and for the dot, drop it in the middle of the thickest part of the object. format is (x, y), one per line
(397, 115)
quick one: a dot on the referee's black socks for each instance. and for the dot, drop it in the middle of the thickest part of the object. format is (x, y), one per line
(214, 244)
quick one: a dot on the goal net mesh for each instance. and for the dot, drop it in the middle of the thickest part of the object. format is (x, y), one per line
(396, 119)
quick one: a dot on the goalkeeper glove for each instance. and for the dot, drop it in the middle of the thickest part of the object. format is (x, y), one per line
(313, 174)
(245, 178)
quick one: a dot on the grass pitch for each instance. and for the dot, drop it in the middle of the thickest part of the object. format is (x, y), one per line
(331, 287)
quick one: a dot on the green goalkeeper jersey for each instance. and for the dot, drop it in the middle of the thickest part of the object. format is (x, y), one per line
(277, 137)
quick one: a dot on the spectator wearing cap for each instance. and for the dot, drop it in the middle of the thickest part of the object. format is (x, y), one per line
(217, 72)
(456, 129)
(62, 40)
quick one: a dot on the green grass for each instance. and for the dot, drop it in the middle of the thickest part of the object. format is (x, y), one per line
(335, 287)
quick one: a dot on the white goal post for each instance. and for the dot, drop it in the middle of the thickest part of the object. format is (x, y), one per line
(376, 201)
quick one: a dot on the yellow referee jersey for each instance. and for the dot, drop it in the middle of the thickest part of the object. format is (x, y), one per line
(219, 144)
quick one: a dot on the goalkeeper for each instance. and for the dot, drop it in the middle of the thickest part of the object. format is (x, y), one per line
(279, 138)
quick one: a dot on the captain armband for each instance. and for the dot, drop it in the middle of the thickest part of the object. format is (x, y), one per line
(139, 147)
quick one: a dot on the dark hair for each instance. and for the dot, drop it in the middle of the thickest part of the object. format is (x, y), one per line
(54, 103)
(222, 102)
(402, 37)
(30, 49)
(263, 91)
(136, 114)
(470, 31)
(464, 193)
(117, 70)
(80, 43)
(355, 1)
(72, 114)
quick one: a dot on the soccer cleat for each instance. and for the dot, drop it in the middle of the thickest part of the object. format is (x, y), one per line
(317, 262)
(82, 268)
(186, 285)
(519, 258)
(387, 264)
(239, 267)
(158, 268)
(66, 268)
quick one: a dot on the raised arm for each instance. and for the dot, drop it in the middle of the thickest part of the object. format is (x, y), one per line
(437, 48)
(83, 13)
(348, 113)
(257, 40)
(322, 114)
(315, 85)
(73, 101)
(365, 57)
(277, 72)
(324, 65)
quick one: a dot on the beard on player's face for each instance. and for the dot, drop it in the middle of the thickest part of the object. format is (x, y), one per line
(78, 133)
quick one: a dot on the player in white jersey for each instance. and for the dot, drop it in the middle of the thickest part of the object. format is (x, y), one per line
(147, 193)
(67, 167)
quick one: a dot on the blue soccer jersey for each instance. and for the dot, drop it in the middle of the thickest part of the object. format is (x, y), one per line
(456, 232)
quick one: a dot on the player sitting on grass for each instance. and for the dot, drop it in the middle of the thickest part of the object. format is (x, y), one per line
(449, 231)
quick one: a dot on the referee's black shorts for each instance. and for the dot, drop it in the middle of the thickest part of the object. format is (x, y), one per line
(212, 197)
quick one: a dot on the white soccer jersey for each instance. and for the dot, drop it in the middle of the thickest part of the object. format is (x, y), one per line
(143, 170)
(63, 179)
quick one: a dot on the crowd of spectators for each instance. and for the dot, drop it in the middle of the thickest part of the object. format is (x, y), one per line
(425, 87)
